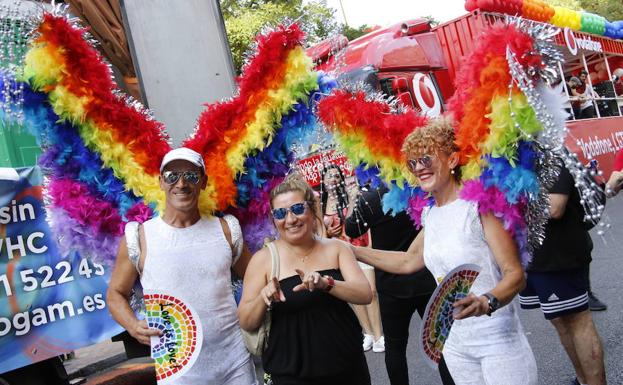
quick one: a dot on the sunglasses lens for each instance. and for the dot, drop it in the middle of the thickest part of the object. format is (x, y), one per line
(279, 214)
(191, 177)
(171, 177)
(298, 209)
(426, 161)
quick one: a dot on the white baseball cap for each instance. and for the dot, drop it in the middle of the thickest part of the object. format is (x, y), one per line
(183, 153)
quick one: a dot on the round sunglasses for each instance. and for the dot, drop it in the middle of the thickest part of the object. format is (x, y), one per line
(426, 161)
(296, 209)
(171, 177)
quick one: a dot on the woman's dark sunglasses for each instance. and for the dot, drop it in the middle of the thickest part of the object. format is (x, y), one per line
(296, 209)
(171, 177)
(426, 161)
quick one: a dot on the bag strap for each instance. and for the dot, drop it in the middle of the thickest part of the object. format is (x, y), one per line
(274, 271)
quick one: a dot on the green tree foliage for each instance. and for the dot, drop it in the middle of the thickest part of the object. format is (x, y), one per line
(433, 22)
(571, 4)
(353, 33)
(318, 20)
(244, 19)
(610, 9)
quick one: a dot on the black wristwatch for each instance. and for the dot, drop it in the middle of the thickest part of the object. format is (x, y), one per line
(494, 303)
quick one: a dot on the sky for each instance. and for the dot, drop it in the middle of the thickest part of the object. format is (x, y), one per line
(387, 12)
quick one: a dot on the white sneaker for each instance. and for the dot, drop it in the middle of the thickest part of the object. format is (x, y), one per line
(368, 341)
(379, 345)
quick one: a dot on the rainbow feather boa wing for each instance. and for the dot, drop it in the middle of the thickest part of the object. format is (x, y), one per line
(247, 142)
(370, 130)
(102, 151)
(506, 153)
(510, 128)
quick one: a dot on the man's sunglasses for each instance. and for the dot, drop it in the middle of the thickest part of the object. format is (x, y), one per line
(426, 161)
(171, 177)
(296, 209)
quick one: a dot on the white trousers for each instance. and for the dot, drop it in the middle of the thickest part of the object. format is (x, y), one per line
(509, 363)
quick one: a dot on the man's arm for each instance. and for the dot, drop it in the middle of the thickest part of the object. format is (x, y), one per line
(559, 194)
(398, 262)
(117, 297)
(575, 94)
(615, 183)
(240, 267)
(557, 205)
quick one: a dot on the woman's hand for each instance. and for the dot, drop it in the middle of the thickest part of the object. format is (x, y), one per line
(334, 230)
(311, 281)
(142, 333)
(471, 306)
(259, 290)
(272, 292)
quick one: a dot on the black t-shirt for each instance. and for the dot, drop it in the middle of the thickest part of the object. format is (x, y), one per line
(389, 233)
(567, 244)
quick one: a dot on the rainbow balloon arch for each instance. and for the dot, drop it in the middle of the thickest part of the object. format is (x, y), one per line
(539, 10)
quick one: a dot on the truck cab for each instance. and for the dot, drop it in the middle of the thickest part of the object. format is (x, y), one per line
(404, 60)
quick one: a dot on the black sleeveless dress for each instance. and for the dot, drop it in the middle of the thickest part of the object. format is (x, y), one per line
(315, 339)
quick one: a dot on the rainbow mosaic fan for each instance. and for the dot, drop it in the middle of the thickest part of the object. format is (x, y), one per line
(177, 349)
(439, 315)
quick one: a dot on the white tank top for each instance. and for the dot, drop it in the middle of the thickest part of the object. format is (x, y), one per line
(194, 263)
(453, 235)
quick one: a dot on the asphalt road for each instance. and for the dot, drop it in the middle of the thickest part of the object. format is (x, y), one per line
(553, 364)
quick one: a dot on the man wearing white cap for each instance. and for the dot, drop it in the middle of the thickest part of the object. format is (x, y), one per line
(181, 254)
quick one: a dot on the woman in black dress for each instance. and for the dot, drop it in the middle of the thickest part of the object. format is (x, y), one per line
(315, 337)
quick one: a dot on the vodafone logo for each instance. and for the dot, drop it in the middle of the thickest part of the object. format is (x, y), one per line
(570, 41)
(583, 42)
(426, 95)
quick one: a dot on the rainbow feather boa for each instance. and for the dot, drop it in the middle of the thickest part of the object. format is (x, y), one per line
(80, 90)
(267, 168)
(89, 205)
(495, 132)
(103, 151)
(370, 132)
(278, 78)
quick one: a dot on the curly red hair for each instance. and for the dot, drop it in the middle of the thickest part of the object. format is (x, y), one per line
(436, 135)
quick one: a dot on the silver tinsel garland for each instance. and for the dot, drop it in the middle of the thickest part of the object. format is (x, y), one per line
(535, 82)
(17, 24)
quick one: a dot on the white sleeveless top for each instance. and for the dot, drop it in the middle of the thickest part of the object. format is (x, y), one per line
(453, 235)
(194, 263)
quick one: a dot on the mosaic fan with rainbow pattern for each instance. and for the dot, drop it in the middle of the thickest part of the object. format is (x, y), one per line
(177, 349)
(439, 315)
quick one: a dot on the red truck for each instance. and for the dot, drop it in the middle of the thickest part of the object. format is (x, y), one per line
(417, 63)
